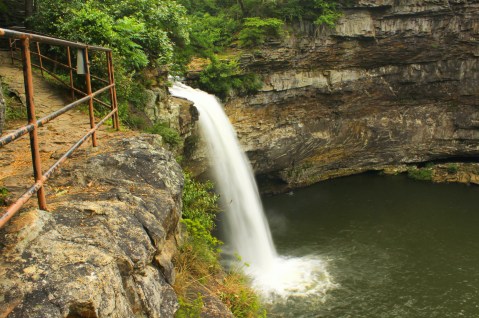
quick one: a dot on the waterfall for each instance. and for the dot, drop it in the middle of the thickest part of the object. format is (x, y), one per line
(247, 229)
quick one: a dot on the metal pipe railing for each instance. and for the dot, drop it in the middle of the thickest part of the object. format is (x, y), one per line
(7, 33)
(27, 39)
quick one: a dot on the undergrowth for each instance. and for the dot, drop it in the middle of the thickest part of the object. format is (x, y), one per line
(199, 272)
(423, 174)
(169, 135)
(3, 196)
(14, 108)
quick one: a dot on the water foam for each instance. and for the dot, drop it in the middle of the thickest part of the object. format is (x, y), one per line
(247, 229)
(293, 277)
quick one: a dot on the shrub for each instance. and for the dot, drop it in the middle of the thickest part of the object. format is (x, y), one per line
(329, 13)
(423, 174)
(3, 195)
(189, 309)
(452, 168)
(141, 33)
(198, 257)
(239, 297)
(256, 30)
(169, 135)
(224, 78)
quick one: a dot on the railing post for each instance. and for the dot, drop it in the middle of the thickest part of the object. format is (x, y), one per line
(10, 43)
(116, 117)
(40, 58)
(28, 79)
(111, 79)
(89, 92)
(72, 90)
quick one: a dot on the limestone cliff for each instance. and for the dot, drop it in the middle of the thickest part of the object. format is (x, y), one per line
(104, 249)
(395, 82)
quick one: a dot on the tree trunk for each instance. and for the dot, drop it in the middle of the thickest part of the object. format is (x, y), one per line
(241, 4)
(28, 8)
(2, 109)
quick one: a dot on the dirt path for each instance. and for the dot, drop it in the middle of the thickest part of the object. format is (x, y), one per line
(55, 138)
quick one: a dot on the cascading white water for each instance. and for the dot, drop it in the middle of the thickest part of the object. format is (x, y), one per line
(247, 231)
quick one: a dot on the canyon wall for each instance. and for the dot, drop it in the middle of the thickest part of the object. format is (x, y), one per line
(395, 82)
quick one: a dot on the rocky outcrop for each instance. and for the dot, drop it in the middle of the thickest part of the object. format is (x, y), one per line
(105, 247)
(395, 82)
(467, 173)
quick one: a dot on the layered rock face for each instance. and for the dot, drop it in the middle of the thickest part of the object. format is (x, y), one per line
(395, 82)
(105, 247)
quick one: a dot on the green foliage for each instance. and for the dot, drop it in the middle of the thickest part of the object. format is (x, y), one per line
(169, 135)
(142, 33)
(133, 120)
(329, 13)
(14, 108)
(217, 24)
(210, 34)
(200, 206)
(3, 7)
(241, 299)
(423, 174)
(3, 195)
(198, 260)
(223, 78)
(256, 30)
(452, 168)
(189, 309)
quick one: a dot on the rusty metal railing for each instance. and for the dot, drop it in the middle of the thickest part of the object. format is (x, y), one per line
(22, 42)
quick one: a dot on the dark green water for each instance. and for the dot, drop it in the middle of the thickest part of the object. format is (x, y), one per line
(395, 247)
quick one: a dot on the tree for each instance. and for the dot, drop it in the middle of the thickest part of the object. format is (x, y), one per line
(28, 8)
(241, 4)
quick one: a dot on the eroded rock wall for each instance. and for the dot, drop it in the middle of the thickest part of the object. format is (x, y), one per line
(105, 247)
(394, 82)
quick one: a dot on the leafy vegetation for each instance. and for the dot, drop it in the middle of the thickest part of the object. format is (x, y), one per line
(256, 30)
(452, 168)
(4, 196)
(14, 108)
(170, 135)
(142, 34)
(190, 309)
(423, 174)
(197, 262)
(225, 77)
(200, 206)
(241, 300)
(167, 34)
(219, 24)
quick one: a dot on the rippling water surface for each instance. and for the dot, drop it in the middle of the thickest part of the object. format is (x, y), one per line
(392, 247)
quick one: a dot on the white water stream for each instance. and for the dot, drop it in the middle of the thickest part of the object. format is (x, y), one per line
(247, 230)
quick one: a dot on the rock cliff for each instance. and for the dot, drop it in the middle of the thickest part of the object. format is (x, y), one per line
(105, 247)
(395, 82)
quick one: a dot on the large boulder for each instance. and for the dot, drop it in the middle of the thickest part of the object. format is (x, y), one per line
(104, 249)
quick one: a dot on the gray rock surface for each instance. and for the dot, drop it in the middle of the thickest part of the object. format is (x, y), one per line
(104, 249)
(395, 82)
